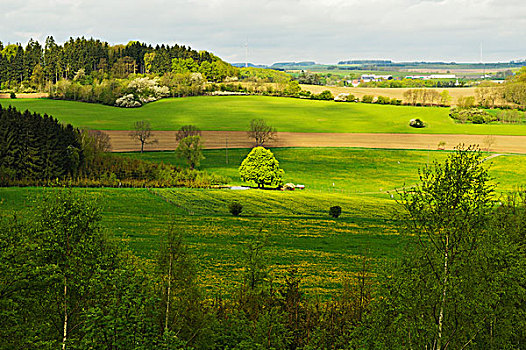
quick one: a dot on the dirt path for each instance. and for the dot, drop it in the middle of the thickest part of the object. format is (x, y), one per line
(26, 95)
(238, 139)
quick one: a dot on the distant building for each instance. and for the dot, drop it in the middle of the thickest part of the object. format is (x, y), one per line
(432, 76)
(366, 78)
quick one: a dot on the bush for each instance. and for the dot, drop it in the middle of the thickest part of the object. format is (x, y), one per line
(473, 115)
(367, 98)
(335, 211)
(127, 101)
(383, 100)
(235, 208)
(416, 123)
(12, 95)
(325, 95)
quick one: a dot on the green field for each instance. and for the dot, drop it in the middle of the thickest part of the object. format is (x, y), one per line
(300, 231)
(347, 170)
(286, 114)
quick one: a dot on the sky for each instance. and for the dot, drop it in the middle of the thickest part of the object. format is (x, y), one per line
(325, 31)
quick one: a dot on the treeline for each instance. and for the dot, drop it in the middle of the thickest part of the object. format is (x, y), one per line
(460, 284)
(91, 70)
(38, 150)
(38, 64)
(36, 147)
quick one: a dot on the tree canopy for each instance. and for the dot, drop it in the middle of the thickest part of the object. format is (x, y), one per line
(261, 167)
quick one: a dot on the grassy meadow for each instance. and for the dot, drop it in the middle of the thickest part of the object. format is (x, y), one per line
(299, 229)
(285, 114)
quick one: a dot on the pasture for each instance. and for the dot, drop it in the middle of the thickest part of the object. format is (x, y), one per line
(398, 93)
(285, 114)
(300, 232)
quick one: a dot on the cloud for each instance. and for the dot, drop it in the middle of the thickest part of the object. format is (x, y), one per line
(327, 31)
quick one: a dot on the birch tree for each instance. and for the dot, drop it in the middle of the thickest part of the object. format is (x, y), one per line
(72, 250)
(182, 315)
(434, 299)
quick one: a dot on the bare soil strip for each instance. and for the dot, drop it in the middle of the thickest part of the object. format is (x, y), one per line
(122, 142)
(26, 95)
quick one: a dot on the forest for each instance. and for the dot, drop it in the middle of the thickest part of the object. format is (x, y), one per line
(38, 150)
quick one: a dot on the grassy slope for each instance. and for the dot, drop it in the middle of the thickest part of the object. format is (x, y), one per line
(300, 231)
(352, 170)
(286, 114)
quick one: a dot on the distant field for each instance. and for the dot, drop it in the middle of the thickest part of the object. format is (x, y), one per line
(300, 231)
(389, 92)
(286, 114)
(351, 170)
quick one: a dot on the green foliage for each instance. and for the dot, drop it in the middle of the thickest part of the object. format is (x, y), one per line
(471, 115)
(447, 291)
(367, 98)
(335, 211)
(235, 208)
(261, 167)
(325, 95)
(190, 150)
(383, 100)
(36, 147)
(181, 312)
(416, 123)
(12, 95)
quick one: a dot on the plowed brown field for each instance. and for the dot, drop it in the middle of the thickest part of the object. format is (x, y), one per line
(122, 142)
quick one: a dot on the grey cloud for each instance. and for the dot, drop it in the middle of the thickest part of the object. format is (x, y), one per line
(325, 31)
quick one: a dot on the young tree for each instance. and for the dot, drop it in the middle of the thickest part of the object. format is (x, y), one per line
(261, 132)
(142, 131)
(76, 254)
(190, 150)
(441, 296)
(182, 314)
(261, 167)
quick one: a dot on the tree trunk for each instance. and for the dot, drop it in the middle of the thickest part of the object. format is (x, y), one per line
(168, 294)
(65, 334)
(444, 293)
(142, 146)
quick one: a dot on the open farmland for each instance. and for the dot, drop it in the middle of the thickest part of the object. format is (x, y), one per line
(233, 113)
(300, 231)
(388, 92)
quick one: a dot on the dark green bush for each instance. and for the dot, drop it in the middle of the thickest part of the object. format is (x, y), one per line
(12, 95)
(416, 123)
(235, 208)
(335, 211)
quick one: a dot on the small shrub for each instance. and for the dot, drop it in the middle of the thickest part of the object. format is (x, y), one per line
(235, 208)
(12, 95)
(416, 123)
(324, 95)
(335, 211)
(383, 100)
(367, 99)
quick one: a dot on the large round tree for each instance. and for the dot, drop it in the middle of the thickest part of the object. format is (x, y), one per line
(261, 167)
